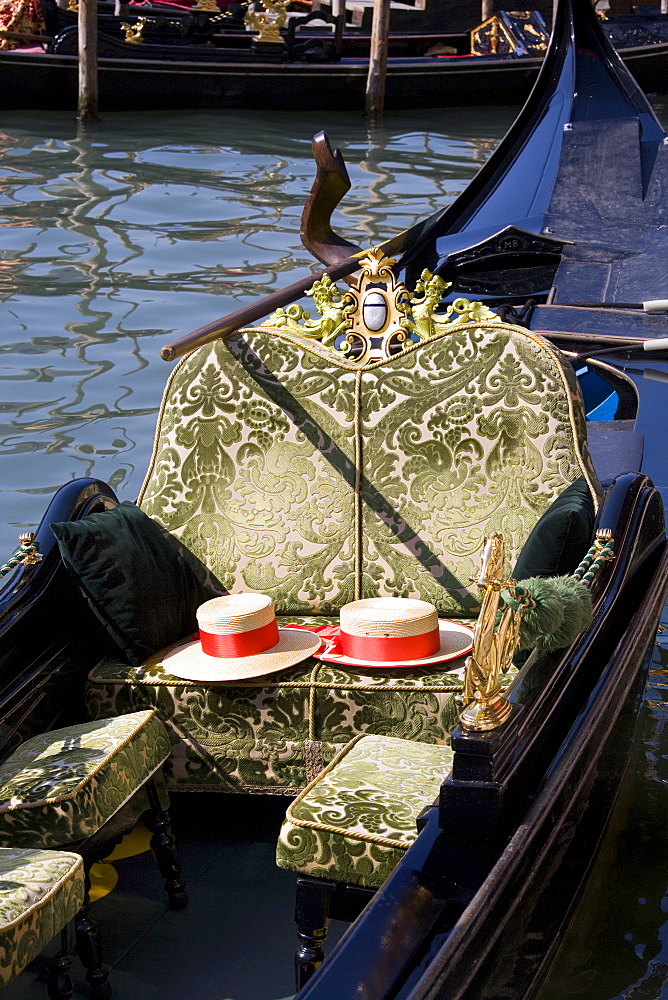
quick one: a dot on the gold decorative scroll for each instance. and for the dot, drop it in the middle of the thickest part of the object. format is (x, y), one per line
(378, 316)
(268, 21)
(134, 33)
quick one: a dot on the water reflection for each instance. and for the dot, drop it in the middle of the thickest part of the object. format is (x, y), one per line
(119, 239)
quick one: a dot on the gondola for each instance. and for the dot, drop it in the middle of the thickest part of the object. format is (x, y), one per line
(206, 65)
(554, 242)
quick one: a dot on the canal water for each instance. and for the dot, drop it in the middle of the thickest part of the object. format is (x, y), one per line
(118, 239)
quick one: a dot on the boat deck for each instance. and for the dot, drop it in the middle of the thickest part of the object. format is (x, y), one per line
(236, 939)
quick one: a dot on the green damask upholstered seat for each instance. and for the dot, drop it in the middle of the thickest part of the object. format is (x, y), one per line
(40, 892)
(274, 734)
(287, 469)
(60, 787)
(85, 786)
(356, 820)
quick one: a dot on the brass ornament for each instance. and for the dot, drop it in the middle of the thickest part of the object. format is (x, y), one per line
(268, 21)
(73, 6)
(493, 647)
(206, 5)
(378, 316)
(28, 553)
(134, 33)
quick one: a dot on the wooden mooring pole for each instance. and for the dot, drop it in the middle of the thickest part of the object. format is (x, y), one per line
(375, 84)
(88, 92)
(487, 9)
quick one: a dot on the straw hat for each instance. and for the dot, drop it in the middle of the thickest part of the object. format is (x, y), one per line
(239, 639)
(396, 631)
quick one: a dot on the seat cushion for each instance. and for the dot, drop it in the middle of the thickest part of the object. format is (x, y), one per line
(275, 734)
(356, 820)
(561, 537)
(40, 892)
(142, 585)
(62, 786)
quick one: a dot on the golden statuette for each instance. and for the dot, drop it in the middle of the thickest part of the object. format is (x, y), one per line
(378, 316)
(268, 21)
(493, 647)
(134, 33)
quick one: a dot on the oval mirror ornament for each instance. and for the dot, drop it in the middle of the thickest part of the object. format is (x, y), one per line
(374, 311)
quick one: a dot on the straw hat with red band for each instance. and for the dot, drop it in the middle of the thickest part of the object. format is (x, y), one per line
(396, 631)
(239, 639)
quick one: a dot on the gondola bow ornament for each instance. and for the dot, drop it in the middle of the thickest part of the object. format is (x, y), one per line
(377, 316)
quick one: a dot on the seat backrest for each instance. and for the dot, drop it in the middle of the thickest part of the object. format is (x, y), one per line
(293, 471)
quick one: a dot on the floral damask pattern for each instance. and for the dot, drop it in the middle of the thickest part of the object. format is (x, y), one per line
(62, 786)
(40, 891)
(354, 822)
(256, 738)
(287, 471)
(270, 457)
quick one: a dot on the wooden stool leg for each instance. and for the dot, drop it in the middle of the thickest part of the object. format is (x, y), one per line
(90, 952)
(312, 917)
(164, 849)
(59, 984)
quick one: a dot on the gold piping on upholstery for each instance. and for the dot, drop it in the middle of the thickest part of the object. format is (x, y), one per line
(371, 838)
(38, 904)
(358, 482)
(72, 793)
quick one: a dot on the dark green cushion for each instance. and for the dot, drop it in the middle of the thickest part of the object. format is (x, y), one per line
(135, 578)
(561, 537)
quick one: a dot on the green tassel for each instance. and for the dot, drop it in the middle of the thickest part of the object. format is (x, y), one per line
(562, 610)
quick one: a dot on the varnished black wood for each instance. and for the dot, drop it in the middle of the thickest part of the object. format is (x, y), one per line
(163, 845)
(59, 984)
(312, 917)
(89, 950)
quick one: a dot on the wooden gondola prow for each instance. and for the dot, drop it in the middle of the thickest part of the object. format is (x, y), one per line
(331, 183)
(88, 83)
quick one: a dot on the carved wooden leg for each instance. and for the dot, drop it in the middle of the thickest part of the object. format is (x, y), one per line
(312, 917)
(164, 849)
(90, 952)
(59, 984)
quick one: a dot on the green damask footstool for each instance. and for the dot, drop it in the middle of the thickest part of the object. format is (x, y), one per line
(84, 787)
(348, 829)
(40, 892)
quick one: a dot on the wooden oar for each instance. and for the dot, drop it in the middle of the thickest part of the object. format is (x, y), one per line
(252, 312)
(329, 186)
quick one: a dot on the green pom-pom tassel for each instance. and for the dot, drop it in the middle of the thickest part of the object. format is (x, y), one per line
(562, 609)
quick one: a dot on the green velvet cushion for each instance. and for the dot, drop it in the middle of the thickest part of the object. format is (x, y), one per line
(561, 537)
(356, 820)
(273, 734)
(134, 577)
(40, 892)
(62, 786)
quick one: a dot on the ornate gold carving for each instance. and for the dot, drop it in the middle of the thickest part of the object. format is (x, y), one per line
(134, 33)
(493, 648)
(207, 5)
(268, 21)
(378, 316)
(73, 6)
(28, 553)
